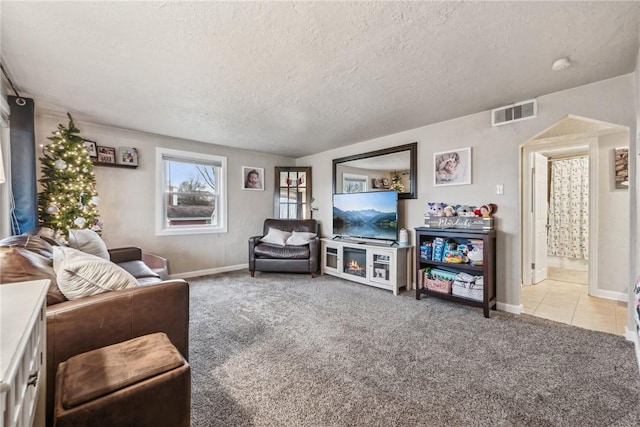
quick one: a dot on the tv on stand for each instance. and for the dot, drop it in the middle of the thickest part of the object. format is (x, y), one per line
(369, 216)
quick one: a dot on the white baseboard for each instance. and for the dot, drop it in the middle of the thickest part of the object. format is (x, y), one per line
(198, 273)
(510, 308)
(612, 295)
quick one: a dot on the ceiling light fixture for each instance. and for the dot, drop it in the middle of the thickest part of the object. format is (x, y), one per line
(561, 64)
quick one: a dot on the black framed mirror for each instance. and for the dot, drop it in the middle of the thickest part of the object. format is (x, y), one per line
(390, 168)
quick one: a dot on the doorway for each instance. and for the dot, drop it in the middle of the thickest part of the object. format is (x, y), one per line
(567, 242)
(562, 273)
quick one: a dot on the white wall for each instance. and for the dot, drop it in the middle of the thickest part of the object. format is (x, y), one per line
(613, 219)
(495, 153)
(127, 198)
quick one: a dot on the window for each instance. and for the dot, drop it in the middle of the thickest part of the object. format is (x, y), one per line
(292, 198)
(354, 183)
(191, 195)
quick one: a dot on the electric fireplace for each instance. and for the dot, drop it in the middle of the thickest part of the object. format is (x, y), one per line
(355, 261)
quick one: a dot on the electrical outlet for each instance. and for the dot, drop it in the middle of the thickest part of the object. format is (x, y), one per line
(500, 189)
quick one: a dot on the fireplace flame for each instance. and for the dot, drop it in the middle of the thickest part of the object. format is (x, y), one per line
(353, 265)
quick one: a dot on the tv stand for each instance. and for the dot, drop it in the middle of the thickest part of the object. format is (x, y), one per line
(375, 264)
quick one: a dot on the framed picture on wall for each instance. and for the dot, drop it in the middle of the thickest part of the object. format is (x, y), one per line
(92, 148)
(621, 167)
(127, 156)
(106, 155)
(252, 178)
(452, 167)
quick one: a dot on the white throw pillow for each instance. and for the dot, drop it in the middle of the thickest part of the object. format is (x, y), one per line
(300, 238)
(276, 237)
(80, 274)
(88, 241)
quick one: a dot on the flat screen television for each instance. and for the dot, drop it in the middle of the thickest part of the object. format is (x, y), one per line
(369, 215)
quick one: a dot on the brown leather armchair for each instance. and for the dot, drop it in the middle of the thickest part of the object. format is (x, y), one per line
(288, 259)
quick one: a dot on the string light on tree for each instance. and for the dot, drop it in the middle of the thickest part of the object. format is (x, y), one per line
(68, 199)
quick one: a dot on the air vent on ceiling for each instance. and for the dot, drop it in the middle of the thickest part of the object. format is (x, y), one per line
(514, 112)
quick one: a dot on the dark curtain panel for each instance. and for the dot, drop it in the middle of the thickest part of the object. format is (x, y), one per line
(23, 165)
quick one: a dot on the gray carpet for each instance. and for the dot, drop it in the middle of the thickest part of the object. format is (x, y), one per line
(288, 350)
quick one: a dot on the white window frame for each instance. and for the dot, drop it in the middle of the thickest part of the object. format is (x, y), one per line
(348, 178)
(162, 229)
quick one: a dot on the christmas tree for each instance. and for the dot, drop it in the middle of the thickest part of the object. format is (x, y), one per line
(68, 199)
(396, 183)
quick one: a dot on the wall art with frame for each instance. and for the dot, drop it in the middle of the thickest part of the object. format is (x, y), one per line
(452, 167)
(127, 156)
(621, 166)
(106, 155)
(252, 178)
(92, 148)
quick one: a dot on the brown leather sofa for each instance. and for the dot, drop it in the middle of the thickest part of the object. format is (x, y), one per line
(81, 325)
(288, 259)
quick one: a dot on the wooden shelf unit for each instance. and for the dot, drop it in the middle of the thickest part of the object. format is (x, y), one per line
(487, 270)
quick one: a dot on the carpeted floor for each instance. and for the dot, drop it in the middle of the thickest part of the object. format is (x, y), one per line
(288, 350)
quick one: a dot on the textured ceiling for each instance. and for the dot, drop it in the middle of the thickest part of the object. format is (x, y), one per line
(298, 78)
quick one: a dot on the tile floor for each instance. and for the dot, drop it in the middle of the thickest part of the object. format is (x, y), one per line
(563, 298)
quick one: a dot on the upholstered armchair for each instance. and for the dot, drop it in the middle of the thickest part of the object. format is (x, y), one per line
(286, 245)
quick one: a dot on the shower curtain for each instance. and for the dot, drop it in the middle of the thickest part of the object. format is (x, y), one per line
(569, 208)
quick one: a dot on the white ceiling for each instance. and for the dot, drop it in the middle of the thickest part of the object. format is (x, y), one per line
(299, 78)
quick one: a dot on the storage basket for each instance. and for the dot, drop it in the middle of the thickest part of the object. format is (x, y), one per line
(438, 285)
(471, 290)
(438, 280)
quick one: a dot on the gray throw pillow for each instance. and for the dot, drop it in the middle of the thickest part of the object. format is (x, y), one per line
(88, 241)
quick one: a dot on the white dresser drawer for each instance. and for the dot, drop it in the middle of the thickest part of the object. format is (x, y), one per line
(22, 361)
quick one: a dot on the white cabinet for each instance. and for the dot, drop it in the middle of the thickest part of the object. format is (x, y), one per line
(22, 357)
(372, 264)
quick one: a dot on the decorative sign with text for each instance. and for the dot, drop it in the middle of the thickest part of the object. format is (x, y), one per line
(468, 222)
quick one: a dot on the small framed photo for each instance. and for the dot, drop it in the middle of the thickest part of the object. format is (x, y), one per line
(127, 156)
(452, 167)
(380, 183)
(106, 155)
(252, 178)
(92, 148)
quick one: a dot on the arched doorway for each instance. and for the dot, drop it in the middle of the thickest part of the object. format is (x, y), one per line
(589, 299)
